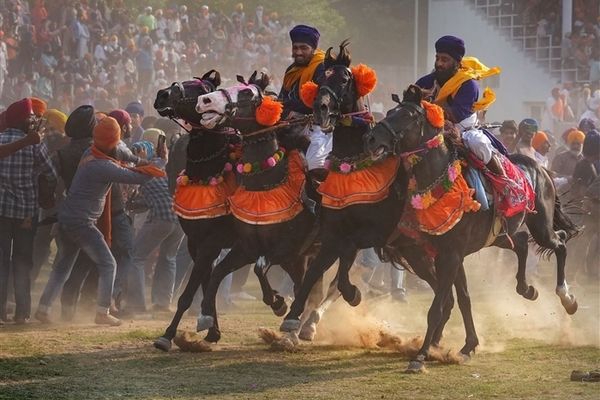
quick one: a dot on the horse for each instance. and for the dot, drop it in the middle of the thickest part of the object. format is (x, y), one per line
(366, 222)
(406, 129)
(268, 173)
(358, 226)
(206, 154)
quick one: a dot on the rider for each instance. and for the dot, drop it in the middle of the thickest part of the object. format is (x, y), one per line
(308, 66)
(457, 92)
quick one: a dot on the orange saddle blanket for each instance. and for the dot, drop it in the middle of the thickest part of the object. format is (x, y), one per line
(279, 204)
(368, 185)
(204, 201)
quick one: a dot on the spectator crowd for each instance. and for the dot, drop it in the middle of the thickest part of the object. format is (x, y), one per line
(100, 52)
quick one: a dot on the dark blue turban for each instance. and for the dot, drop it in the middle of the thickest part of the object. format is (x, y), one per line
(305, 34)
(591, 144)
(135, 107)
(451, 45)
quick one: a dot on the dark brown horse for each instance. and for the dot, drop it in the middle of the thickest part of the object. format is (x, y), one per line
(405, 129)
(281, 243)
(357, 226)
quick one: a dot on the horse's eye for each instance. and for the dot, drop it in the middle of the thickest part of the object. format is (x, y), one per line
(346, 80)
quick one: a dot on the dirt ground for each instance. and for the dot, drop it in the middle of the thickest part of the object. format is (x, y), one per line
(527, 351)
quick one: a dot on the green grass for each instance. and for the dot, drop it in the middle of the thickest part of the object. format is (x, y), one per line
(528, 352)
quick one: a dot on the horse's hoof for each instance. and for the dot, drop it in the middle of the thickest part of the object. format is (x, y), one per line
(464, 358)
(213, 336)
(281, 310)
(357, 298)
(204, 322)
(308, 332)
(531, 293)
(415, 367)
(162, 343)
(290, 325)
(570, 306)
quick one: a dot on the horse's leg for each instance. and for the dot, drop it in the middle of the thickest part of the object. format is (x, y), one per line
(438, 334)
(309, 327)
(464, 304)
(270, 296)
(541, 227)
(295, 270)
(201, 271)
(233, 261)
(349, 291)
(521, 249)
(322, 262)
(447, 266)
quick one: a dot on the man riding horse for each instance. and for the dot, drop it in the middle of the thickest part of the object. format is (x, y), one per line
(457, 92)
(452, 86)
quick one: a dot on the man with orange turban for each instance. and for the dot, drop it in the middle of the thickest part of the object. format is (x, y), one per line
(39, 106)
(79, 212)
(19, 198)
(541, 144)
(564, 163)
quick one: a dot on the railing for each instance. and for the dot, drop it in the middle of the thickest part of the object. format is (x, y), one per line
(548, 54)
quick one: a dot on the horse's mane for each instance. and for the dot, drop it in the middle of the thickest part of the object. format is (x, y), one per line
(342, 58)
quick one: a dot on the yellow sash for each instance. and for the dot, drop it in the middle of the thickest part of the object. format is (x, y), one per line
(304, 74)
(470, 68)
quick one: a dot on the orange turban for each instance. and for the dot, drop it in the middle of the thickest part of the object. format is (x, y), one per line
(539, 139)
(39, 106)
(575, 136)
(107, 134)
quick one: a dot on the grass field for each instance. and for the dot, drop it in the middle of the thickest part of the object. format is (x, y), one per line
(528, 352)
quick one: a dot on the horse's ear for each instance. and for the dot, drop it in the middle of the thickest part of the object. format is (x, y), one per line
(413, 95)
(344, 54)
(214, 79)
(241, 79)
(264, 81)
(395, 98)
(328, 59)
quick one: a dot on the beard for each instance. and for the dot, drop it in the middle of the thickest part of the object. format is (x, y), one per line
(442, 75)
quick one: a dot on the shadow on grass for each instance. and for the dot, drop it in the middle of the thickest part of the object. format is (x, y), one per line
(146, 373)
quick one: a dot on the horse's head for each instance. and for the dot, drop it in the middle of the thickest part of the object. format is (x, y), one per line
(236, 106)
(179, 99)
(337, 93)
(403, 129)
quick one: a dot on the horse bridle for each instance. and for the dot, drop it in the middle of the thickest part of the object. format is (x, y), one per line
(335, 96)
(398, 135)
(231, 108)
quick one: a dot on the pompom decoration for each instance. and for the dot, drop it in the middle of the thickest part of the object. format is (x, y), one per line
(240, 168)
(183, 180)
(213, 181)
(308, 93)
(271, 162)
(247, 167)
(228, 167)
(365, 79)
(434, 113)
(257, 167)
(269, 112)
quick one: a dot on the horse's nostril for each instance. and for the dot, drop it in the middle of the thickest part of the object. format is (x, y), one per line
(206, 100)
(324, 107)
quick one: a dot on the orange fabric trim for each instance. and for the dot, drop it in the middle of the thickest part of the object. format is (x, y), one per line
(445, 213)
(279, 204)
(204, 201)
(368, 185)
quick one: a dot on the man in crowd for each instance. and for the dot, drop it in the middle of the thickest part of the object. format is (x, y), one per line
(136, 112)
(541, 144)
(19, 173)
(527, 129)
(508, 135)
(79, 213)
(564, 163)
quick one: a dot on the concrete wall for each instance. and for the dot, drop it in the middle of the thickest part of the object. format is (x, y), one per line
(521, 84)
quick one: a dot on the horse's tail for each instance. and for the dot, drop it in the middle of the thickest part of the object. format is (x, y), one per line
(561, 221)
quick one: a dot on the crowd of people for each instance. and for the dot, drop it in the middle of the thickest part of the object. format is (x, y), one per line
(94, 181)
(70, 52)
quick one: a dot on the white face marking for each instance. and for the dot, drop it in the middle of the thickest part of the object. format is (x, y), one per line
(213, 105)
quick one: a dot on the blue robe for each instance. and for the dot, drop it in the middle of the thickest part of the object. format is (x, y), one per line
(461, 105)
(291, 99)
